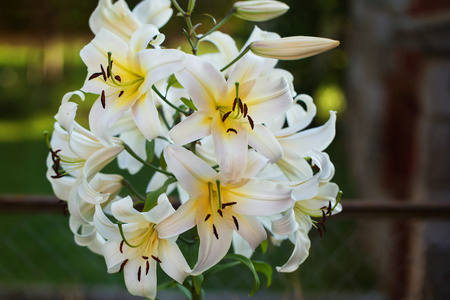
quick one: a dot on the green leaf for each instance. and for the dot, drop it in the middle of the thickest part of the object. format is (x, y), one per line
(185, 291)
(264, 268)
(152, 197)
(189, 103)
(198, 281)
(219, 268)
(162, 163)
(248, 263)
(264, 245)
(150, 149)
(166, 285)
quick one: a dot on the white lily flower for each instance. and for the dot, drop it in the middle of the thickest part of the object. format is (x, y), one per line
(219, 207)
(120, 20)
(227, 51)
(294, 47)
(138, 250)
(315, 198)
(126, 84)
(234, 122)
(259, 10)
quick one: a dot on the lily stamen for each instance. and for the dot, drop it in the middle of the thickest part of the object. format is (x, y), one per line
(123, 265)
(236, 222)
(215, 232)
(157, 259)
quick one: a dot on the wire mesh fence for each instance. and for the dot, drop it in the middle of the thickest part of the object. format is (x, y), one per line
(371, 252)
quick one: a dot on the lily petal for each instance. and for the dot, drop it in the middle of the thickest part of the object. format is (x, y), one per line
(191, 172)
(212, 249)
(260, 198)
(182, 220)
(146, 117)
(194, 127)
(156, 12)
(139, 282)
(300, 253)
(265, 143)
(231, 149)
(203, 82)
(173, 262)
(251, 230)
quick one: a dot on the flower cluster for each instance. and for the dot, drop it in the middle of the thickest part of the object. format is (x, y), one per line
(225, 132)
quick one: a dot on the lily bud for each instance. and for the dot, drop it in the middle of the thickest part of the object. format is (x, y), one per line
(259, 10)
(290, 48)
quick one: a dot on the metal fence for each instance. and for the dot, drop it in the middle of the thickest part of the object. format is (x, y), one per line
(372, 250)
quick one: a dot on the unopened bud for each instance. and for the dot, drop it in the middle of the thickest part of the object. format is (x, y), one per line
(290, 48)
(259, 10)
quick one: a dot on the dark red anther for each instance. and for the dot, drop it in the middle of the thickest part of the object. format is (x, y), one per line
(232, 129)
(228, 204)
(156, 258)
(236, 222)
(123, 265)
(147, 267)
(207, 217)
(234, 104)
(220, 212)
(121, 246)
(120, 94)
(225, 116)
(320, 231)
(103, 99)
(95, 75)
(103, 73)
(241, 107)
(329, 209)
(145, 257)
(117, 77)
(139, 274)
(324, 217)
(250, 120)
(245, 110)
(215, 232)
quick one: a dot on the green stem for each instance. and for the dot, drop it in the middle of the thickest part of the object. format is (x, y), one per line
(132, 189)
(168, 102)
(132, 153)
(178, 7)
(218, 25)
(236, 59)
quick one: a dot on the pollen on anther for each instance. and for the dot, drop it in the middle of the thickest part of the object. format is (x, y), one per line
(234, 104)
(120, 94)
(156, 258)
(232, 129)
(225, 116)
(215, 232)
(245, 110)
(250, 120)
(147, 267)
(121, 246)
(117, 77)
(139, 274)
(145, 257)
(220, 212)
(95, 75)
(103, 99)
(228, 204)
(241, 107)
(103, 73)
(123, 265)
(236, 222)
(207, 217)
